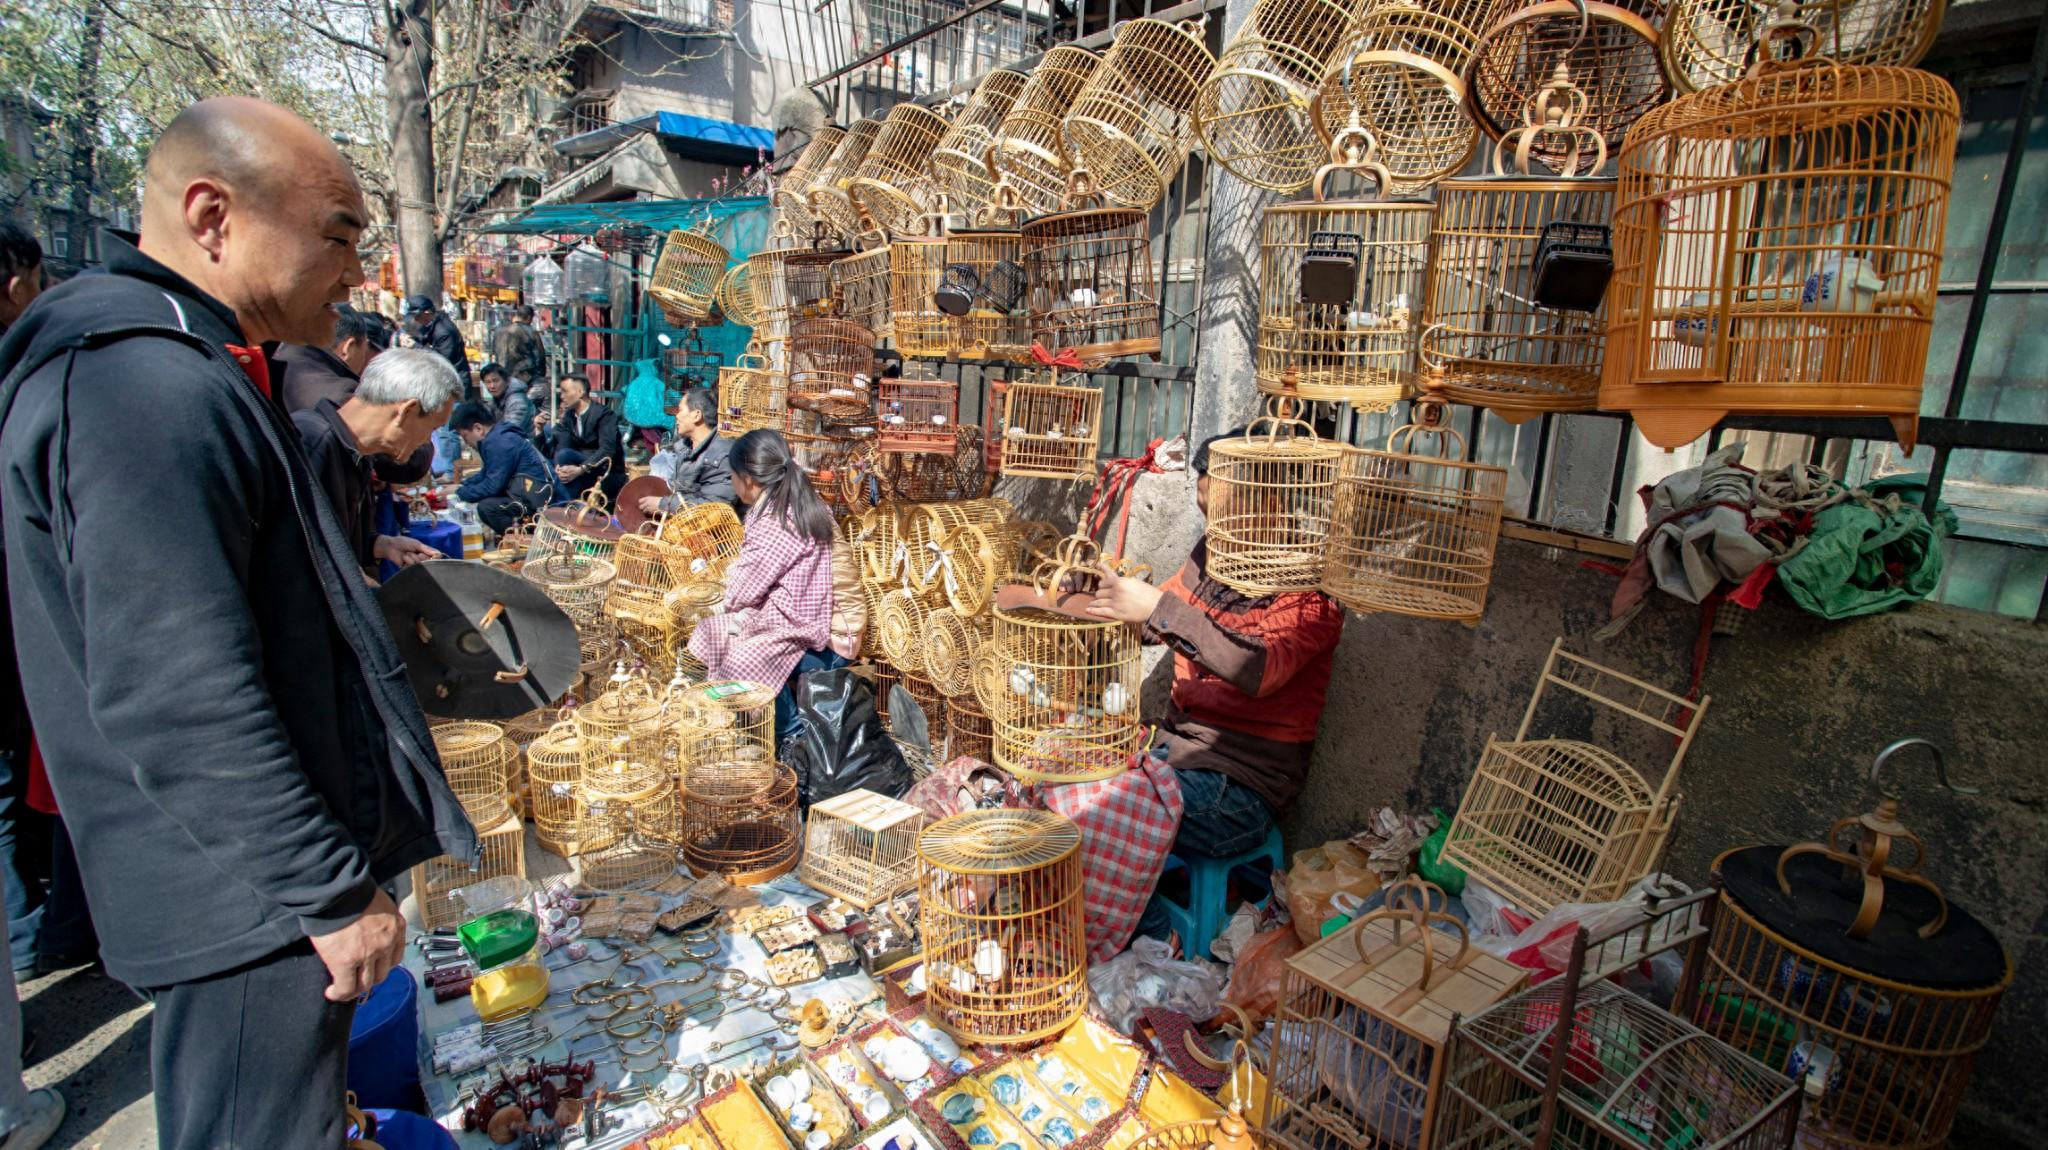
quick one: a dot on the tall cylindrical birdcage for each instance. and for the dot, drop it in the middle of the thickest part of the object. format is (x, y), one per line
(478, 760)
(1030, 148)
(1401, 76)
(626, 826)
(983, 293)
(860, 287)
(1133, 120)
(790, 281)
(1093, 288)
(831, 365)
(577, 585)
(917, 267)
(830, 193)
(736, 296)
(1609, 52)
(792, 191)
(960, 162)
(1269, 507)
(1254, 112)
(627, 721)
(1705, 43)
(894, 185)
(686, 274)
(554, 770)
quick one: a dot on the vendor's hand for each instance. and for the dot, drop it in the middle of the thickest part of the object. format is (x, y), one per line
(1123, 598)
(359, 955)
(403, 550)
(650, 505)
(569, 471)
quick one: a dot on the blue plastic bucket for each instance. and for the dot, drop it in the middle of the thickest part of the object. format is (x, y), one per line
(384, 1044)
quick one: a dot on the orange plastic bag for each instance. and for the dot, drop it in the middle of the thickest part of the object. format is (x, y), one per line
(1262, 964)
(1320, 873)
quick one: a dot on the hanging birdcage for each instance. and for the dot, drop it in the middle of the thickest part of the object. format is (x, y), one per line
(736, 296)
(751, 395)
(1133, 120)
(983, 292)
(792, 191)
(831, 201)
(1001, 918)
(1254, 112)
(478, 760)
(1609, 50)
(917, 266)
(1777, 249)
(1519, 267)
(894, 185)
(1269, 507)
(1552, 820)
(831, 365)
(1707, 43)
(554, 768)
(951, 641)
(626, 824)
(1049, 430)
(916, 415)
(1029, 149)
(1340, 288)
(860, 287)
(1093, 288)
(960, 162)
(968, 729)
(740, 820)
(862, 847)
(791, 281)
(1400, 76)
(686, 275)
(702, 541)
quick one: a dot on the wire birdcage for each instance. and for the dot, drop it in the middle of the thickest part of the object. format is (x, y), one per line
(740, 820)
(1362, 1021)
(1400, 76)
(831, 366)
(478, 761)
(626, 824)
(960, 162)
(554, 768)
(1093, 288)
(792, 191)
(1000, 915)
(736, 295)
(894, 186)
(1341, 288)
(730, 723)
(951, 641)
(969, 730)
(1132, 122)
(1707, 43)
(685, 277)
(860, 285)
(917, 415)
(1777, 249)
(751, 395)
(702, 541)
(1549, 820)
(831, 200)
(1050, 430)
(1609, 51)
(983, 291)
(1030, 152)
(501, 853)
(862, 847)
(1254, 113)
(1269, 507)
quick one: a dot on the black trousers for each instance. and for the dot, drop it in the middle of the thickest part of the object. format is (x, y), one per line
(501, 511)
(254, 1059)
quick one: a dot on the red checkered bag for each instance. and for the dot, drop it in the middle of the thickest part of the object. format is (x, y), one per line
(1127, 823)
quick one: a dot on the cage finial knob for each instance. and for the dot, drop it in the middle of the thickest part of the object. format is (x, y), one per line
(1232, 1133)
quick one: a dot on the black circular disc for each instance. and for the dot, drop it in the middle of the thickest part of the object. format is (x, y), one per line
(434, 609)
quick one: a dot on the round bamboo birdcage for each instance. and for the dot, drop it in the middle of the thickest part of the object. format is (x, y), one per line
(736, 295)
(626, 824)
(1706, 43)
(1818, 296)
(725, 723)
(1341, 283)
(860, 287)
(960, 162)
(740, 820)
(900, 626)
(1227, 1131)
(792, 191)
(951, 640)
(577, 534)
(924, 535)
(1254, 111)
(917, 266)
(1134, 119)
(685, 607)
(831, 366)
(576, 583)
(1413, 533)
(751, 394)
(478, 760)
(1609, 50)
(1400, 76)
(840, 465)
(1519, 266)
(686, 274)
(894, 186)
(983, 290)
(1001, 916)
(643, 563)
(554, 768)
(702, 541)
(627, 721)
(791, 281)
(1030, 149)
(1269, 507)
(968, 730)
(831, 199)
(1093, 288)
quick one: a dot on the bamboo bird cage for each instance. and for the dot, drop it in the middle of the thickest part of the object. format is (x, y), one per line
(1000, 914)
(1707, 43)
(736, 295)
(1226, 1131)
(626, 826)
(1777, 249)
(627, 721)
(791, 281)
(969, 730)
(860, 286)
(478, 760)
(1093, 288)
(1133, 120)
(951, 640)
(634, 599)
(831, 366)
(740, 820)
(983, 291)
(917, 415)
(1269, 507)
(1400, 76)
(1552, 820)
(960, 162)
(862, 847)
(925, 527)
(1254, 111)
(1050, 430)
(685, 277)
(830, 195)
(792, 191)
(925, 694)
(894, 186)
(1030, 151)
(900, 616)
(724, 724)
(1609, 50)
(702, 541)
(917, 267)
(751, 394)
(578, 533)
(554, 768)
(501, 852)
(577, 584)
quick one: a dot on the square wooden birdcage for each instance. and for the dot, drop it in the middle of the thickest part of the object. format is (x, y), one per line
(1413, 532)
(951, 643)
(1001, 919)
(1777, 248)
(792, 191)
(1607, 50)
(860, 285)
(1254, 112)
(478, 761)
(501, 854)
(960, 162)
(917, 267)
(686, 275)
(917, 415)
(862, 847)
(1093, 288)
(1269, 507)
(1134, 119)
(702, 540)
(736, 295)
(1707, 43)
(627, 824)
(984, 291)
(1030, 151)
(831, 201)
(968, 729)
(894, 186)
(1363, 1019)
(740, 820)
(727, 722)
(1341, 289)
(1049, 431)
(831, 366)
(751, 395)
(1549, 820)
(554, 769)
(1400, 76)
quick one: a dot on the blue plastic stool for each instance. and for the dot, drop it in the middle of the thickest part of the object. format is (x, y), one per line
(1199, 922)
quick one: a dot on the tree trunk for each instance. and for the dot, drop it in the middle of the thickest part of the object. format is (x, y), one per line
(408, 64)
(84, 134)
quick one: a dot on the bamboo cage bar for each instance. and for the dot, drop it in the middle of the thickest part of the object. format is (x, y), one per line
(1093, 287)
(685, 277)
(1134, 119)
(1254, 112)
(1050, 431)
(792, 191)
(894, 186)
(1707, 43)
(1030, 150)
(1400, 76)
(862, 847)
(960, 162)
(830, 194)
(1609, 52)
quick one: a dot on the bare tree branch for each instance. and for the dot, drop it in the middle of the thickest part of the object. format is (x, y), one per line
(316, 27)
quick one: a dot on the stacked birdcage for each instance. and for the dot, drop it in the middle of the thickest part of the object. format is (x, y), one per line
(968, 729)
(1001, 918)
(831, 201)
(554, 768)
(702, 540)
(862, 847)
(577, 584)
(627, 720)
(1707, 43)
(917, 266)
(1030, 153)
(728, 722)
(940, 559)
(740, 820)
(1133, 120)
(831, 366)
(478, 761)
(894, 186)
(1254, 113)
(950, 644)
(983, 290)
(634, 599)
(960, 162)
(1093, 288)
(1400, 76)
(685, 277)
(917, 415)
(1048, 431)
(736, 295)
(751, 395)
(900, 616)
(792, 191)
(1269, 507)
(860, 287)
(1608, 50)
(627, 823)
(838, 460)
(577, 530)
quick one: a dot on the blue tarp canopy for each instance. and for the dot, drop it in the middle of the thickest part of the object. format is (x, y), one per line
(693, 137)
(659, 215)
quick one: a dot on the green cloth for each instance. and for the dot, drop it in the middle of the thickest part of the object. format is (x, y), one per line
(1870, 554)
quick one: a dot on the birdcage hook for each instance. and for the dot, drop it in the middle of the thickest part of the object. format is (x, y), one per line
(1785, 25)
(1940, 763)
(1555, 109)
(1354, 149)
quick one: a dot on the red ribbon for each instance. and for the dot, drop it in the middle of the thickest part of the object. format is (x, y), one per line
(1066, 358)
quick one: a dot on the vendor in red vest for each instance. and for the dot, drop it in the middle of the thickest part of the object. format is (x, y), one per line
(1249, 678)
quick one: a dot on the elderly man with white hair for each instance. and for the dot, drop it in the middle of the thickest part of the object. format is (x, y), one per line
(405, 394)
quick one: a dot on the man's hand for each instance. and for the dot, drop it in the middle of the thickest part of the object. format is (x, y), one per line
(1122, 598)
(403, 550)
(650, 505)
(359, 955)
(569, 471)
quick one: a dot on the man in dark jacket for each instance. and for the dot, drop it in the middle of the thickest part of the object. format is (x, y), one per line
(312, 374)
(586, 442)
(513, 481)
(431, 329)
(226, 724)
(697, 465)
(405, 394)
(508, 400)
(518, 346)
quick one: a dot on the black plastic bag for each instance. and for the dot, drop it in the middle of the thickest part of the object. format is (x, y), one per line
(841, 745)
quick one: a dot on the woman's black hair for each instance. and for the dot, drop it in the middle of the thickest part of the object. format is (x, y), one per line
(762, 455)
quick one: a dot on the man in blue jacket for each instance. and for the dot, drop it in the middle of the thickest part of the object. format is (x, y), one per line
(222, 710)
(513, 482)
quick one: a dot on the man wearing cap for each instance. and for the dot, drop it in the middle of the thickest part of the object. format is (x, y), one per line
(430, 329)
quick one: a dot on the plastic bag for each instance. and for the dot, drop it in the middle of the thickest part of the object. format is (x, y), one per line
(1430, 865)
(840, 745)
(645, 397)
(1148, 975)
(1318, 875)
(1546, 945)
(1261, 966)
(1489, 911)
